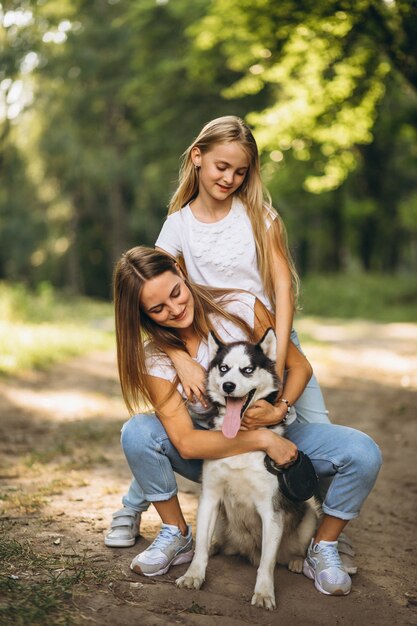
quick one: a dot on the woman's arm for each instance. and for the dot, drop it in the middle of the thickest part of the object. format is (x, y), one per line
(201, 444)
(284, 302)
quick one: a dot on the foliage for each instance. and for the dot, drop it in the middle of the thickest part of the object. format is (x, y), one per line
(368, 222)
(324, 64)
(362, 296)
(111, 135)
(98, 100)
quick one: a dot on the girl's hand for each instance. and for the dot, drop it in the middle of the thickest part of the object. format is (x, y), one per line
(281, 450)
(262, 413)
(192, 377)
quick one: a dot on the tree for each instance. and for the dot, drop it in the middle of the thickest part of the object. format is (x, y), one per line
(116, 105)
(323, 65)
(115, 91)
(22, 225)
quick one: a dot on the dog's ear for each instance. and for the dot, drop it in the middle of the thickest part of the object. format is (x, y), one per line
(268, 344)
(213, 345)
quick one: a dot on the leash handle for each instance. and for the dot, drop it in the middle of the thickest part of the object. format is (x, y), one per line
(299, 481)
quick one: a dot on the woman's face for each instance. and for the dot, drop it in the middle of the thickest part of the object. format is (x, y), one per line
(167, 300)
(222, 169)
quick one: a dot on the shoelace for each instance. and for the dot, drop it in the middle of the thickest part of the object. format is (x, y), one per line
(331, 556)
(163, 539)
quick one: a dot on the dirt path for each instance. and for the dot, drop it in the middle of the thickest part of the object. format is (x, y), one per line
(62, 474)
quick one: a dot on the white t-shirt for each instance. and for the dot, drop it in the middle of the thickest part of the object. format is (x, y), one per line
(222, 254)
(160, 365)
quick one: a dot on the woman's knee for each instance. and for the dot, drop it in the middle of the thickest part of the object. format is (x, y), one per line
(374, 457)
(140, 434)
(366, 456)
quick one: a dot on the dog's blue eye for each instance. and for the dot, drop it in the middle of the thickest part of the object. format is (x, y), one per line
(247, 370)
(223, 368)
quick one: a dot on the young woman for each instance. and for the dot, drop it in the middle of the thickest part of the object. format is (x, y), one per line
(154, 300)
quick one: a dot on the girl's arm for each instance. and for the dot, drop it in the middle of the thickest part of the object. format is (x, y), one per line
(202, 444)
(263, 413)
(192, 376)
(284, 301)
(299, 372)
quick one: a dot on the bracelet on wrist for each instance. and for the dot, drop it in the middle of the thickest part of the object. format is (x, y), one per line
(284, 419)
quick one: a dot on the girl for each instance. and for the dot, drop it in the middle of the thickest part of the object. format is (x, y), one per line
(221, 222)
(223, 225)
(153, 299)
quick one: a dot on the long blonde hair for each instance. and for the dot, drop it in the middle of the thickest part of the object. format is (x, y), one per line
(252, 193)
(134, 326)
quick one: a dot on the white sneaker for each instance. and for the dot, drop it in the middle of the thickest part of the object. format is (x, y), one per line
(124, 529)
(169, 548)
(323, 565)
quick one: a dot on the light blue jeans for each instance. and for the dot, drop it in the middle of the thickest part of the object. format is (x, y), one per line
(347, 457)
(310, 405)
(310, 408)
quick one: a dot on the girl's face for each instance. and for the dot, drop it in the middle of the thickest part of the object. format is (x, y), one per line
(222, 169)
(167, 300)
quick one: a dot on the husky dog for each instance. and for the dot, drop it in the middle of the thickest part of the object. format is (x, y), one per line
(240, 501)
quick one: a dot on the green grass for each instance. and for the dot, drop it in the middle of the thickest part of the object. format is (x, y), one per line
(48, 305)
(40, 328)
(380, 298)
(37, 588)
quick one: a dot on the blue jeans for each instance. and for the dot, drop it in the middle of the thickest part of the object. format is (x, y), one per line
(310, 408)
(310, 405)
(348, 458)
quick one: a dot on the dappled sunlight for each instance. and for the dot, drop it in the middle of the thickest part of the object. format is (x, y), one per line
(334, 330)
(374, 362)
(365, 350)
(61, 405)
(335, 363)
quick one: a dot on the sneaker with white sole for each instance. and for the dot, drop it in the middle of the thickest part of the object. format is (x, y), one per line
(124, 529)
(347, 553)
(323, 565)
(169, 548)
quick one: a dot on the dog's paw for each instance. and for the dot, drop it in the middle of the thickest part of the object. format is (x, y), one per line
(189, 582)
(264, 601)
(296, 565)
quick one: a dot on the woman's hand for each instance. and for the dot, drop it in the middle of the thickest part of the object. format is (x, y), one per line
(192, 377)
(262, 413)
(282, 451)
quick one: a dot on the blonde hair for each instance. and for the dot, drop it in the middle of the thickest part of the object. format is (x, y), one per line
(252, 193)
(134, 326)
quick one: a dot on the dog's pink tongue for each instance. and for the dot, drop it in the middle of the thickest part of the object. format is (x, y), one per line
(231, 422)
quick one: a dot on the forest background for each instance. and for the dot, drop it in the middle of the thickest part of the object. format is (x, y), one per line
(99, 98)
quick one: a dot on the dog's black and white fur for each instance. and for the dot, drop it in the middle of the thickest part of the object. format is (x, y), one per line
(241, 504)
